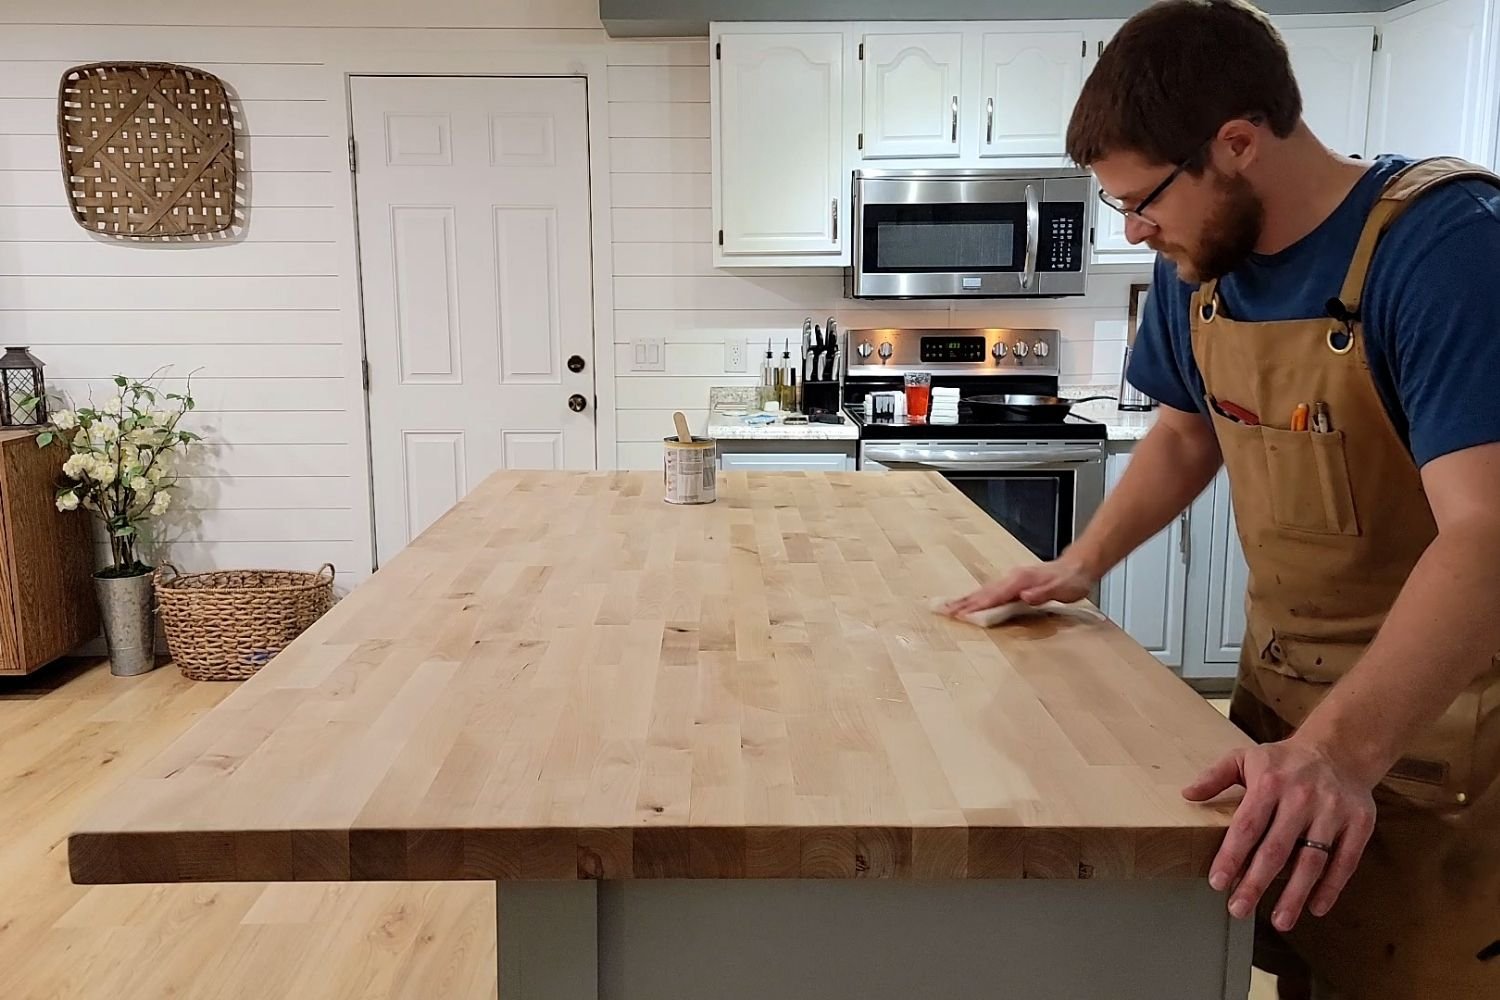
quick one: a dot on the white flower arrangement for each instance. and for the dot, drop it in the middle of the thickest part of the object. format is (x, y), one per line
(120, 466)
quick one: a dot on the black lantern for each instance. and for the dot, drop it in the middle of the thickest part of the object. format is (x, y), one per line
(23, 396)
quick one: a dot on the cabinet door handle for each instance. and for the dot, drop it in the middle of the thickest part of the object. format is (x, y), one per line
(953, 136)
(835, 220)
(1184, 542)
(989, 120)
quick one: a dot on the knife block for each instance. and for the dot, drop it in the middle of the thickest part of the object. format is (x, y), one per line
(822, 397)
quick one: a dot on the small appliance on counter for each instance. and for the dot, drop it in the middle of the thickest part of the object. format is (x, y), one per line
(1129, 397)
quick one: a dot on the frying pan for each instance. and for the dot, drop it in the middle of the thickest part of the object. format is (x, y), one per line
(1024, 407)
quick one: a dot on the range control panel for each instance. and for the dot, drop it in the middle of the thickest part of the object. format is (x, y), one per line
(992, 351)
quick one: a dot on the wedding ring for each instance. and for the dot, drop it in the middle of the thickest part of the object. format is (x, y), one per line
(1316, 845)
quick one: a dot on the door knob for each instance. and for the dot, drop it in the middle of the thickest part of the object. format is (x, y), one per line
(577, 403)
(576, 363)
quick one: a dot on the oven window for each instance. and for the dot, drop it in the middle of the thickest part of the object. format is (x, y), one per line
(918, 239)
(1035, 507)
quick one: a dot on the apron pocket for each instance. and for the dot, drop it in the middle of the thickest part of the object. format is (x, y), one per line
(1309, 481)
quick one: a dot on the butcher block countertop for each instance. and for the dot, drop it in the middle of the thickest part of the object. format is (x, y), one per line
(567, 678)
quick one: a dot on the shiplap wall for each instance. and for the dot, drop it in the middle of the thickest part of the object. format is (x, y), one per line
(666, 286)
(270, 318)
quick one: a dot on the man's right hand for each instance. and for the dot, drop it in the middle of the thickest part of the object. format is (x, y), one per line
(1064, 579)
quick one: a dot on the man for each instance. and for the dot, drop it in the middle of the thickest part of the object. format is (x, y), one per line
(1329, 329)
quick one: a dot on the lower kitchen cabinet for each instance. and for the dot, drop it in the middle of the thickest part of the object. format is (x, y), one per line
(784, 456)
(1182, 593)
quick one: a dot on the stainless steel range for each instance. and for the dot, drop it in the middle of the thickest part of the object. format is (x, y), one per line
(1035, 469)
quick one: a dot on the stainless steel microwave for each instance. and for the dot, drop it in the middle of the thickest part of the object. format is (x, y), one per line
(969, 233)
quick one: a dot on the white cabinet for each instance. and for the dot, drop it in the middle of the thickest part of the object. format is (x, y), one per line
(912, 85)
(1146, 594)
(789, 461)
(1332, 66)
(1434, 85)
(779, 180)
(1029, 81)
(1182, 594)
(1224, 591)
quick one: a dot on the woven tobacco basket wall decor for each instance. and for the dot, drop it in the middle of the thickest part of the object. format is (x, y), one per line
(147, 149)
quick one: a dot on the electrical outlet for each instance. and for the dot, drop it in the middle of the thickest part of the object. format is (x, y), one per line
(734, 357)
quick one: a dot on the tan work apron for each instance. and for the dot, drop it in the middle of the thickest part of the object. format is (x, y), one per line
(1332, 524)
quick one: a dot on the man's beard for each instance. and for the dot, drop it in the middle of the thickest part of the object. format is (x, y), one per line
(1230, 233)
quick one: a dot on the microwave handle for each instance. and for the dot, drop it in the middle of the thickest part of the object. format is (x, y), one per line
(1033, 234)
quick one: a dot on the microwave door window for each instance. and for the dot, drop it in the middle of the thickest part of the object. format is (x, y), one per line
(917, 239)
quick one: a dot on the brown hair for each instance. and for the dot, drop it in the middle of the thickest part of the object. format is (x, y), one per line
(1177, 71)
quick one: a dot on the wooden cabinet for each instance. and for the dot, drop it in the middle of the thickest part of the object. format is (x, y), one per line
(1434, 90)
(1146, 594)
(47, 605)
(779, 179)
(1030, 78)
(1332, 66)
(912, 88)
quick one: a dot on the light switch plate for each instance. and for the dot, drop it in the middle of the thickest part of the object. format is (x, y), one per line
(648, 354)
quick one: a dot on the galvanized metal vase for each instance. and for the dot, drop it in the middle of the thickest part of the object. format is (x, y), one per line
(125, 602)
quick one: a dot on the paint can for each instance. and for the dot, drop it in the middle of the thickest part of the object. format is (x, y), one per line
(689, 470)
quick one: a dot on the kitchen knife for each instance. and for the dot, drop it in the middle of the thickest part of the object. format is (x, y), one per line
(833, 350)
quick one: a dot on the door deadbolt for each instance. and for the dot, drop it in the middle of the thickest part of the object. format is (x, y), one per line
(576, 364)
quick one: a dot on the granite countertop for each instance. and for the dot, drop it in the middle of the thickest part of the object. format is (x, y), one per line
(1122, 425)
(726, 410)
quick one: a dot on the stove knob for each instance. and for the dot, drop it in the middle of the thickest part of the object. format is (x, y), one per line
(885, 351)
(1040, 349)
(998, 350)
(1021, 350)
(864, 350)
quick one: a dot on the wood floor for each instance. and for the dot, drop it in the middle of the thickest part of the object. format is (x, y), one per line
(71, 733)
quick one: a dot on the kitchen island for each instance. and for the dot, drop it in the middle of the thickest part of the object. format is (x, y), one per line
(720, 751)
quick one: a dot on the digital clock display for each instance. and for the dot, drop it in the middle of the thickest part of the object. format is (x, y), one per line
(952, 349)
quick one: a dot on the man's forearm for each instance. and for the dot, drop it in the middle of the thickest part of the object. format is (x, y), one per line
(1167, 471)
(1441, 634)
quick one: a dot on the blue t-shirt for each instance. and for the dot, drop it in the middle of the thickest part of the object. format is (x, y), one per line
(1431, 310)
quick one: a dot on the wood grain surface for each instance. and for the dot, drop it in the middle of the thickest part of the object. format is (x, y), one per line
(567, 678)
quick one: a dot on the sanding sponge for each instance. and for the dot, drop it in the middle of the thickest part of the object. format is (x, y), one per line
(999, 615)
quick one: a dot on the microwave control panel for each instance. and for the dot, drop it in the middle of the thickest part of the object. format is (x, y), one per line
(1061, 246)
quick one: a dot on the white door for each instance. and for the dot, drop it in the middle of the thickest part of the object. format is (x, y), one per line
(779, 149)
(1332, 66)
(912, 87)
(1228, 577)
(1146, 594)
(1429, 92)
(1031, 80)
(475, 254)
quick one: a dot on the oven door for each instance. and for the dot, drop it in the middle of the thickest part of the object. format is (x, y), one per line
(1042, 493)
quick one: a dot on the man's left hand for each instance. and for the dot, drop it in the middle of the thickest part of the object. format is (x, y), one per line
(1293, 790)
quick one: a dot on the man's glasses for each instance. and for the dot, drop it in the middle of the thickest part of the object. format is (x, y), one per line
(1119, 206)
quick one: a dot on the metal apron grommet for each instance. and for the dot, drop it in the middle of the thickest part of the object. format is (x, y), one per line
(1208, 310)
(1348, 340)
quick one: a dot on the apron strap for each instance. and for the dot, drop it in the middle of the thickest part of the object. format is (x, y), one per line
(1399, 192)
(1208, 301)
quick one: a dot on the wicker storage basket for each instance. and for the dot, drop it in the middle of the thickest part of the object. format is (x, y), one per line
(226, 625)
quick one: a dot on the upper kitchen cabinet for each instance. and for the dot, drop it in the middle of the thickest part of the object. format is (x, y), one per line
(912, 84)
(1332, 66)
(1434, 85)
(1030, 78)
(780, 184)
